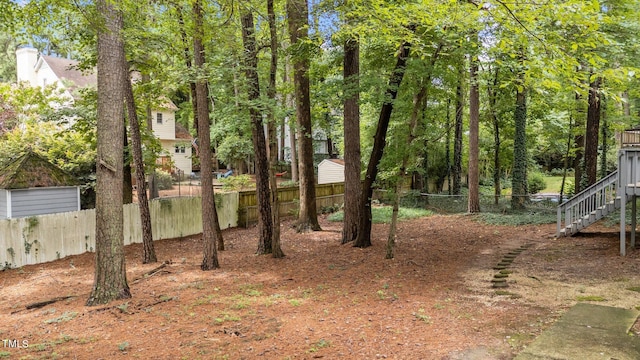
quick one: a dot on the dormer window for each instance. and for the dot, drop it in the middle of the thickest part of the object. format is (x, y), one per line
(159, 118)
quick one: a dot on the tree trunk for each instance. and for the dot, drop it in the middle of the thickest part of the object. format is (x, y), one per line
(448, 148)
(474, 130)
(566, 162)
(593, 130)
(110, 281)
(578, 144)
(127, 183)
(352, 154)
(519, 175)
(391, 239)
(457, 137)
(364, 231)
(188, 62)
(149, 254)
(153, 184)
(419, 101)
(491, 92)
(210, 226)
(288, 100)
(298, 30)
(265, 226)
(276, 249)
(605, 136)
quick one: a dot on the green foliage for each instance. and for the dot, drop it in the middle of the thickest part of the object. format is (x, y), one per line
(518, 217)
(536, 182)
(382, 215)
(164, 179)
(237, 182)
(234, 148)
(569, 187)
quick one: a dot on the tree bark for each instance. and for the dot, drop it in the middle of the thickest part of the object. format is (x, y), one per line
(188, 62)
(298, 30)
(605, 137)
(290, 123)
(578, 144)
(448, 148)
(474, 134)
(153, 184)
(276, 249)
(519, 175)
(148, 253)
(364, 231)
(491, 92)
(457, 137)
(419, 101)
(210, 226)
(127, 183)
(265, 226)
(110, 281)
(352, 154)
(593, 130)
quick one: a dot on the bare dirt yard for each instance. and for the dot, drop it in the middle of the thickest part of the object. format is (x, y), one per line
(323, 300)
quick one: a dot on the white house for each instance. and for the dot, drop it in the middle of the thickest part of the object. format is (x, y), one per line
(41, 70)
(331, 171)
(175, 139)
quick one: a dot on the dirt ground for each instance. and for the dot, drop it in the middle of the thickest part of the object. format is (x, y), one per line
(323, 300)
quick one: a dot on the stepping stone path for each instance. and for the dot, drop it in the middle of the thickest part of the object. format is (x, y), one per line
(500, 279)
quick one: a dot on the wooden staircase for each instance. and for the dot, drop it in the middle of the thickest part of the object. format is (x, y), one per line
(609, 194)
(589, 206)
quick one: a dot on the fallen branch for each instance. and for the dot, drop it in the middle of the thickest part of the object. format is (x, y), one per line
(153, 272)
(40, 304)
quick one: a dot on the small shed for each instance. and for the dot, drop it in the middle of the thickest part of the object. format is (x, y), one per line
(31, 185)
(331, 171)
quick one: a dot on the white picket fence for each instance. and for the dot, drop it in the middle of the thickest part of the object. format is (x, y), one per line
(38, 239)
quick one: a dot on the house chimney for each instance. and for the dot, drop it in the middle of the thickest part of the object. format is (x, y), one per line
(26, 59)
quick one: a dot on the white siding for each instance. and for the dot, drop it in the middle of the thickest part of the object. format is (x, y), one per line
(3, 204)
(181, 160)
(166, 130)
(330, 172)
(38, 201)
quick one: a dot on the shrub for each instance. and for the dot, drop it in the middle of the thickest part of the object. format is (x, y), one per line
(569, 187)
(236, 182)
(536, 182)
(164, 180)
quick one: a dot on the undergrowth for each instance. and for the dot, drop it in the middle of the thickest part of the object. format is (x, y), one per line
(382, 215)
(521, 217)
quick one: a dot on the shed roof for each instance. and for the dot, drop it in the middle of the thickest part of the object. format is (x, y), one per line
(335, 161)
(32, 170)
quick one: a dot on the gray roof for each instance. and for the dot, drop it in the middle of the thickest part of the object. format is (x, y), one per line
(67, 71)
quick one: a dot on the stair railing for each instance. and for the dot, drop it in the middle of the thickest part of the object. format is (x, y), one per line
(589, 200)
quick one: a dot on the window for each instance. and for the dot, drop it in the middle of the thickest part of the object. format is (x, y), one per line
(182, 149)
(159, 118)
(177, 149)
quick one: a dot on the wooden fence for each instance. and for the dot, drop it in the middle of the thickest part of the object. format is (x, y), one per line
(37, 239)
(42, 238)
(326, 195)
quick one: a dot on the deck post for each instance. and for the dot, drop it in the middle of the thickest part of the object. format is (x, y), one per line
(633, 221)
(623, 230)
